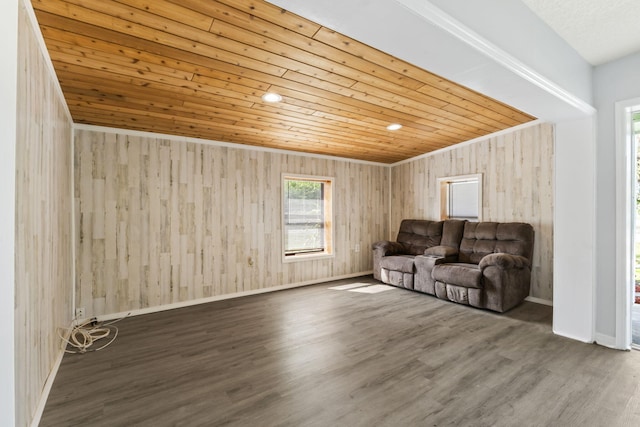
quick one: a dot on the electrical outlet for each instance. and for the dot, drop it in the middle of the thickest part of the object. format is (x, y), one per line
(80, 313)
(357, 247)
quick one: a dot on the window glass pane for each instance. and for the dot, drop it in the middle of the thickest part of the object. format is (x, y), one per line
(463, 200)
(461, 197)
(304, 216)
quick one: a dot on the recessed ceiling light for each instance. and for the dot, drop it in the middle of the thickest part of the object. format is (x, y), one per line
(271, 97)
(394, 126)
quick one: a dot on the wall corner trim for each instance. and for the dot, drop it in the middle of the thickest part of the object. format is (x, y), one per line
(178, 138)
(46, 390)
(45, 53)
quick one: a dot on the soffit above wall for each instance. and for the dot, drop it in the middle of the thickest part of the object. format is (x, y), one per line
(199, 69)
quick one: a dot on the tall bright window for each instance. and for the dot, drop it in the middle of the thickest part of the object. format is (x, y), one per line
(461, 197)
(307, 217)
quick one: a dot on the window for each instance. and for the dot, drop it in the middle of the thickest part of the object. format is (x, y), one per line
(307, 217)
(461, 197)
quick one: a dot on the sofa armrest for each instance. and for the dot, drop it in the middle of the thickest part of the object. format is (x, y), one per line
(506, 280)
(382, 249)
(504, 261)
(441, 251)
(385, 247)
(427, 262)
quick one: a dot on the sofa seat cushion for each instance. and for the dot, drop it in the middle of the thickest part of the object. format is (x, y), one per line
(402, 263)
(457, 273)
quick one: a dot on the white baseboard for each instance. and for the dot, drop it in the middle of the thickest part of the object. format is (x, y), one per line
(599, 339)
(573, 337)
(606, 340)
(164, 307)
(539, 301)
(37, 416)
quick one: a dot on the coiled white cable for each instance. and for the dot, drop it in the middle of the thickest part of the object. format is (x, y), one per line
(85, 334)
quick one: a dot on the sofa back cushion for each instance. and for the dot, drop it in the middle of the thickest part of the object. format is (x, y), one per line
(452, 231)
(416, 235)
(484, 238)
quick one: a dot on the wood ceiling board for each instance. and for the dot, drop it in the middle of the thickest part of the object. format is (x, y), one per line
(227, 114)
(325, 57)
(131, 84)
(353, 111)
(205, 43)
(173, 11)
(276, 15)
(136, 48)
(433, 85)
(339, 137)
(422, 106)
(199, 69)
(370, 105)
(358, 131)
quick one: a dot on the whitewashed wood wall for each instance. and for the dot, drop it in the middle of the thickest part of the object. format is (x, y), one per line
(162, 221)
(517, 170)
(44, 262)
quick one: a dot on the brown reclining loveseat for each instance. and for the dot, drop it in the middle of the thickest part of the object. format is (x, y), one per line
(481, 264)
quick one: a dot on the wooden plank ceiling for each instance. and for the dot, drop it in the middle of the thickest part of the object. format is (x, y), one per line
(199, 68)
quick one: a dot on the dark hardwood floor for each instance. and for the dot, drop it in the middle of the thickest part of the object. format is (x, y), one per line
(319, 357)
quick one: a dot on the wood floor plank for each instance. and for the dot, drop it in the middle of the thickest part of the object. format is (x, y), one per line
(315, 356)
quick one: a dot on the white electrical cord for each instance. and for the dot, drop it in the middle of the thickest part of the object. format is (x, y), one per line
(85, 334)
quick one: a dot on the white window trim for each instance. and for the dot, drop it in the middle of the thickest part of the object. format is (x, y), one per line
(625, 222)
(443, 193)
(329, 251)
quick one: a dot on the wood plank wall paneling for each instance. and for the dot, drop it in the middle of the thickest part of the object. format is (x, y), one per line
(518, 179)
(44, 262)
(162, 221)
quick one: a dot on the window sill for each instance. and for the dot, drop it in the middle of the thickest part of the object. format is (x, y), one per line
(306, 257)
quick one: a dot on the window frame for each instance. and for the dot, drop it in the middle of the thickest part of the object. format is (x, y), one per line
(444, 189)
(328, 251)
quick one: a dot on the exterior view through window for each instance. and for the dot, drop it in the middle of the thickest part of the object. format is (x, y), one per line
(307, 216)
(461, 197)
(635, 308)
(635, 121)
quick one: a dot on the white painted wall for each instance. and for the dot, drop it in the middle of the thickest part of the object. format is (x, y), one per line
(613, 82)
(574, 229)
(8, 88)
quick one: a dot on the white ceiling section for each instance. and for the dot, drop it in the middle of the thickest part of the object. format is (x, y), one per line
(599, 30)
(420, 33)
